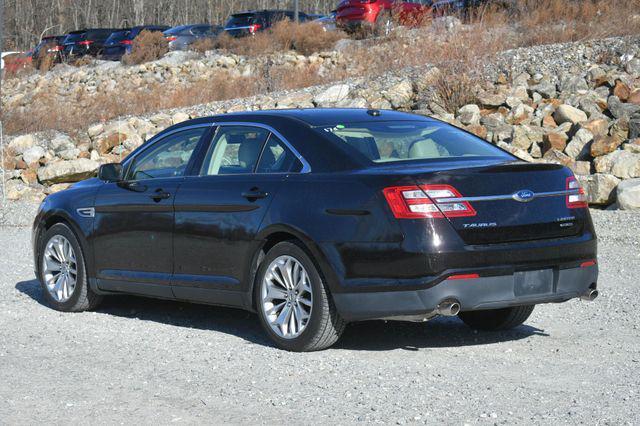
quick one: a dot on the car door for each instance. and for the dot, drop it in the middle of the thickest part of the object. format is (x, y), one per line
(219, 212)
(133, 234)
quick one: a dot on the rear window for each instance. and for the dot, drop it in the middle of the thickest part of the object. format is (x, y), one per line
(99, 34)
(242, 20)
(395, 141)
(74, 37)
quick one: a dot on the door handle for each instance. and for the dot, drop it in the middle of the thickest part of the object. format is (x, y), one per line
(254, 194)
(160, 195)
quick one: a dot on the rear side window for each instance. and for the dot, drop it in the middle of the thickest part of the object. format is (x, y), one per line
(241, 20)
(234, 150)
(395, 141)
(99, 34)
(74, 37)
(276, 157)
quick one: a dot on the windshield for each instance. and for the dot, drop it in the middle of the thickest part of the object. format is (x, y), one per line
(394, 141)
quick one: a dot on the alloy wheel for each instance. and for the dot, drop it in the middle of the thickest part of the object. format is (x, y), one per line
(287, 297)
(59, 268)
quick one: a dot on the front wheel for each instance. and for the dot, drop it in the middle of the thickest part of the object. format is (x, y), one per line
(293, 302)
(63, 273)
(497, 319)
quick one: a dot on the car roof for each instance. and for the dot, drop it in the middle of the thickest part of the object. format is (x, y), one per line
(317, 117)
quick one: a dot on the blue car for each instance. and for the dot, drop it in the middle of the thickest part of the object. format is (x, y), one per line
(121, 42)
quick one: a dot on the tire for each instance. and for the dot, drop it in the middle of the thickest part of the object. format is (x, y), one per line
(81, 298)
(497, 319)
(384, 24)
(323, 326)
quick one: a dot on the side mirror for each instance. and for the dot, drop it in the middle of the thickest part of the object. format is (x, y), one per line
(110, 172)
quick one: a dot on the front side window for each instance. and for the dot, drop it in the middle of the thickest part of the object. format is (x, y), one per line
(234, 150)
(394, 141)
(168, 157)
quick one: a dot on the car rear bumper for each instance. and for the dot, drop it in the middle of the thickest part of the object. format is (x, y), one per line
(549, 285)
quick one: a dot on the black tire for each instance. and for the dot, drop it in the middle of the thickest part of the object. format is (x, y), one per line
(324, 326)
(82, 298)
(497, 319)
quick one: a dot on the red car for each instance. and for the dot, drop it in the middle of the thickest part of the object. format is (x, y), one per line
(381, 15)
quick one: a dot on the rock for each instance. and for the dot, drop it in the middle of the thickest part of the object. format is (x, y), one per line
(626, 166)
(400, 94)
(179, 117)
(18, 190)
(521, 114)
(619, 109)
(628, 194)
(622, 91)
(582, 168)
(61, 142)
(333, 94)
(33, 154)
(95, 130)
(52, 189)
(549, 122)
(634, 97)
(520, 153)
(107, 143)
(524, 136)
(555, 156)
(604, 145)
(597, 127)
(555, 140)
(634, 128)
(567, 113)
(600, 188)
(633, 67)
(480, 131)
(69, 154)
(579, 146)
(545, 88)
(492, 99)
(295, 100)
(469, 114)
(620, 129)
(67, 171)
(22, 143)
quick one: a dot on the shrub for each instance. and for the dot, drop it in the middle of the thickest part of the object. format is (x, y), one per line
(148, 46)
(203, 45)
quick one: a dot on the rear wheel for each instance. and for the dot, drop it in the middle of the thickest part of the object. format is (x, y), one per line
(293, 302)
(497, 319)
(63, 273)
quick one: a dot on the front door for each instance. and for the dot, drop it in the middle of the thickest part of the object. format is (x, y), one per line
(219, 212)
(133, 235)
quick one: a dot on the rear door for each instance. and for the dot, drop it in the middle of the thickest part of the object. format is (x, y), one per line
(133, 233)
(219, 212)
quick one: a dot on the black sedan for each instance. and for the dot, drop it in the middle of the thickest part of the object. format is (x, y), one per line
(315, 218)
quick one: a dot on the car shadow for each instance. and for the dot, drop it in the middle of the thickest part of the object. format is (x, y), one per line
(366, 336)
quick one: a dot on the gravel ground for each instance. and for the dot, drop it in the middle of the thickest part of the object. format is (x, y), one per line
(162, 362)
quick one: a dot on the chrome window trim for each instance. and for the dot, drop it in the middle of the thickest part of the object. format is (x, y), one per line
(306, 168)
(564, 193)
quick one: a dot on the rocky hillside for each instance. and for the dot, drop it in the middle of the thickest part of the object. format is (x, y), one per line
(576, 104)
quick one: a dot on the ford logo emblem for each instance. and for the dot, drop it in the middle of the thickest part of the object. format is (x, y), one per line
(524, 195)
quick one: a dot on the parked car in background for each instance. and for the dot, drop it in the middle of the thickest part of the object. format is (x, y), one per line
(49, 47)
(253, 21)
(86, 42)
(180, 38)
(328, 22)
(120, 42)
(379, 16)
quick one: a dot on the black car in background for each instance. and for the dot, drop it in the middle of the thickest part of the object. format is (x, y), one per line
(86, 42)
(120, 42)
(50, 46)
(314, 218)
(251, 22)
(181, 37)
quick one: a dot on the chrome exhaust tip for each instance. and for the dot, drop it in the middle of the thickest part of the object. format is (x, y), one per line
(448, 308)
(590, 295)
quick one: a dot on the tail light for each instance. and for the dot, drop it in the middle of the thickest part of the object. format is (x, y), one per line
(579, 200)
(171, 38)
(426, 201)
(588, 263)
(463, 277)
(86, 43)
(55, 49)
(253, 28)
(127, 42)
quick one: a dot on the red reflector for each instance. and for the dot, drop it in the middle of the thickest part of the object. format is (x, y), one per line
(464, 277)
(85, 43)
(171, 38)
(254, 27)
(127, 42)
(426, 201)
(588, 263)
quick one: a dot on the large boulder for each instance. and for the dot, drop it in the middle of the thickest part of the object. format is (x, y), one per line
(469, 115)
(332, 95)
(567, 113)
(629, 194)
(67, 171)
(33, 154)
(400, 95)
(600, 188)
(22, 143)
(578, 148)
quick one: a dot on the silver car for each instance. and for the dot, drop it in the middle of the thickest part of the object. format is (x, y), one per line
(180, 38)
